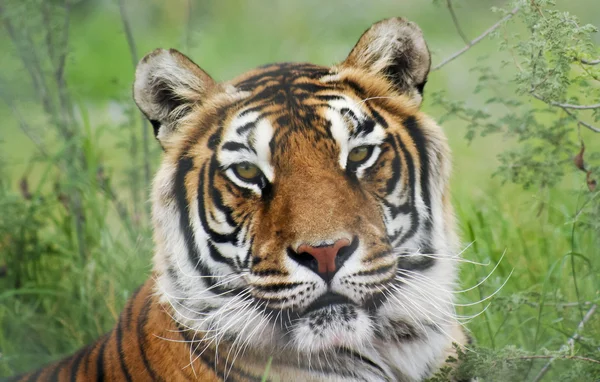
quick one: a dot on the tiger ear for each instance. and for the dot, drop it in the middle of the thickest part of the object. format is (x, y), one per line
(394, 48)
(167, 85)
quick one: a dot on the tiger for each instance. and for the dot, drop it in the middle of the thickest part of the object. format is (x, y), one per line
(303, 226)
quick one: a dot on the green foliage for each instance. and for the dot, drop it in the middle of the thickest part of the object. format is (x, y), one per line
(512, 364)
(539, 106)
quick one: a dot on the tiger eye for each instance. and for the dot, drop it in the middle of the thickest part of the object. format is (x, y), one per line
(358, 154)
(247, 171)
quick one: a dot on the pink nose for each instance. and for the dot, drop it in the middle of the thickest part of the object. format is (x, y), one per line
(325, 255)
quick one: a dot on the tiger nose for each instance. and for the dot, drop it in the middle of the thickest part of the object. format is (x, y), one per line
(325, 260)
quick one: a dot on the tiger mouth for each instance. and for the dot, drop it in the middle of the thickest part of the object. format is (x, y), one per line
(327, 300)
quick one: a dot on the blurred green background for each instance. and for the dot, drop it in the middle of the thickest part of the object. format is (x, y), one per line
(75, 275)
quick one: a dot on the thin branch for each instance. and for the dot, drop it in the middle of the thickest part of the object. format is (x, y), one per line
(560, 304)
(456, 23)
(25, 53)
(575, 357)
(567, 105)
(569, 112)
(188, 27)
(590, 62)
(145, 127)
(59, 70)
(582, 123)
(570, 342)
(47, 24)
(60, 67)
(477, 39)
(576, 107)
(128, 34)
(27, 130)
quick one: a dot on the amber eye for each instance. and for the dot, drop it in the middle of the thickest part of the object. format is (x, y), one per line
(359, 154)
(247, 171)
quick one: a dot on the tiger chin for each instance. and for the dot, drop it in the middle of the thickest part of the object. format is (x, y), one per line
(302, 224)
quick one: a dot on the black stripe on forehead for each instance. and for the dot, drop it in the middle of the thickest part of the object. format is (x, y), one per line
(284, 84)
(289, 70)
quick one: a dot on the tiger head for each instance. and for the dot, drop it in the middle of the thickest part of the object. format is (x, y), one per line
(304, 207)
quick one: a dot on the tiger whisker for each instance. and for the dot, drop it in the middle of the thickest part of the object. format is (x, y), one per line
(453, 316)
(445, 257)
(244, 345)
(464, 290)
(437, 325)
(476, 302)
(446, 316)
(249, 337)
(402, 251)
(392, 296)
(210, 339)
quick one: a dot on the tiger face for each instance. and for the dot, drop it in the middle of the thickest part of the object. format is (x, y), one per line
(304, 209)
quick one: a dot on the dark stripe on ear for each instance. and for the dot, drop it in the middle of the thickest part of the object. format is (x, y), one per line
(421, 87)
(214, 140)
(156, 126)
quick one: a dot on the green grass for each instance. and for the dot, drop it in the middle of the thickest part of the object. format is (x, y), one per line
(68, 295)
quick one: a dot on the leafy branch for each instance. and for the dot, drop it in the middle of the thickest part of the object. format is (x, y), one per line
(566, 108)
(553, 357)
(566, 105)
(590, 62)
(476, 40)
(570, 343)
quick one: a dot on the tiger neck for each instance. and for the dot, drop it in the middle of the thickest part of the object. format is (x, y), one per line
(187, 355)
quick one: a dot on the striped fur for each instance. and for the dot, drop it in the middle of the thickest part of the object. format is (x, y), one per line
(229, 293)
